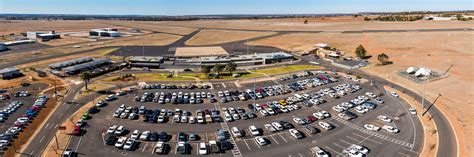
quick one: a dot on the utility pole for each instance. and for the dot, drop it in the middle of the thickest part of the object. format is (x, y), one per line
(439, 95)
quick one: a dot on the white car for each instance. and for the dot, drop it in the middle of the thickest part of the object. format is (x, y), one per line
(371, 127)
(260, 140)
(384, 118)
(277, 126)
(135, 135)
(129, 144)
(390, 129)
(112, 129)
(394, 94)
(295, 133)
(353, 153)
(202, 148)
(360, 149)
(144, 135)
(120, 142)
(412, 111)
(253, 130)
(227, 117)
(325, 125)
(263, 112)
(370, 94)
(299, 121)
(319, 152)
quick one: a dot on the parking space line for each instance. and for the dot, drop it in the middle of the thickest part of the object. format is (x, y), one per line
(345, 141)
(78, 144)
(46, 126)
(283, 138)
(103, 139)
(329, 148)
(338, 145)
(403, 154)
(352, 138)
(245, 141)
(41, 140)
(223, 85)
(275, 140)
(176, 148)
(197, 148)
(144, 146)
(257, 144)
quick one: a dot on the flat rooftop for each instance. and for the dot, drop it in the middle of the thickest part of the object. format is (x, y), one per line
(200, 51)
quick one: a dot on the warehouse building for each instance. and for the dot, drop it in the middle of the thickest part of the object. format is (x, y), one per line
(79, 68)
(42, 36)
(60, 65)
(9, 73)
(146, 61)
(104, 32)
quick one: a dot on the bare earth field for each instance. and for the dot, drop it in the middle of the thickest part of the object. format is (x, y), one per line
(329, 24)
(213, 36)
(45, 25)
(435, 50)
(152, 26)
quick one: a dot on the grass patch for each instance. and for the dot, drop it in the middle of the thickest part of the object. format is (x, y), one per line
(223, 76)
(288, 69)
(161, 77)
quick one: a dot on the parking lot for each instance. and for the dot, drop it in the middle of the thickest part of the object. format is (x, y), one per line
(279, 143)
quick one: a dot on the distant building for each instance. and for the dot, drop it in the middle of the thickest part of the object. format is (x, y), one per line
(146, 61)
(42, 36)
(9, 73)
(63, 64)
(3, 47)
(241, 60)
(104, 32)
(87, 66)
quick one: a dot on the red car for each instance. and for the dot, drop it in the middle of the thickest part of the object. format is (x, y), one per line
(35, 108)
(77, 130)
(312, 118)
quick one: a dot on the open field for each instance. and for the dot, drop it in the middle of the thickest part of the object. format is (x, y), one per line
(152, 27)
(213, 36)
(17, 26)
(329, 24)
(435, 50)
(158, 39)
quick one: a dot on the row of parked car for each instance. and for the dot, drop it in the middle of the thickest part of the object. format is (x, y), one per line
(174, 86)
(298, 75)
(7, 137)
(174, 98)
(9, 109)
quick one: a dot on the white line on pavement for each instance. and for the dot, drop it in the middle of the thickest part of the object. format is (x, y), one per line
(257, 144)
(338, 145)
(245, 141)
(275, 140)
(345, 141)
(78, 144)
(144, 146)
(329, 148)
(283, 138)
(41, 139)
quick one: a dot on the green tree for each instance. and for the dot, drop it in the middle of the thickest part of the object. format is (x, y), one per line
(86, 77)
(218, 69)
(230, 67)
(360, 51)
(205, 69)
(383, 58)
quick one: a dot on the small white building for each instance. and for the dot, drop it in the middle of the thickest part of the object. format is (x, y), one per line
(104, 32)
(323, 45)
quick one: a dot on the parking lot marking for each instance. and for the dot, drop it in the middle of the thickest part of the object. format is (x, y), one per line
(283, 138)
(245, 141)
(144, 146)
(41, 140)
(46, 126)
(274, 140)
(329, 148)
(197, 148)
(403, 154)
(78, 144)
(257, 144)
(176, 148)
(338, 145)
(103, 139)
(368, 138)
(223, 85)
(352, 138)
(345, 141)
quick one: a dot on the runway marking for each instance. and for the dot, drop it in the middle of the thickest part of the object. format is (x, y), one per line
(275, 140)
(41, 140)
(247, 144)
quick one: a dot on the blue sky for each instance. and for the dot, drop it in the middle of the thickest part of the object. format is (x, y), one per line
(206, 7)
